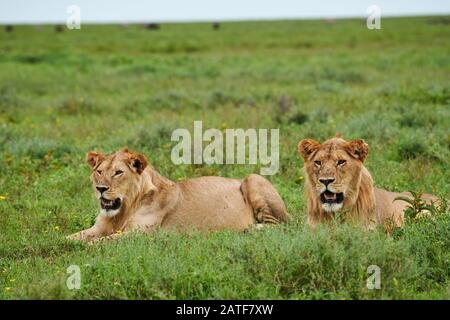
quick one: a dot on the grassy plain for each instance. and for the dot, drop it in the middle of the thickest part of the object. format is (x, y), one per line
(103, 87)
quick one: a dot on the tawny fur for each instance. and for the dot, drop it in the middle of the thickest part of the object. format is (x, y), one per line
(150, 200)
(362, 202)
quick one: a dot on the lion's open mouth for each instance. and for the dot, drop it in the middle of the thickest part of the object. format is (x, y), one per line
(110, 204)
(330, 197)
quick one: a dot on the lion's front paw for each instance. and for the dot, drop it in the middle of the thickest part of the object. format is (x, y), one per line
(75, 237)
(106, 238)
(80, 236)
(95, 241)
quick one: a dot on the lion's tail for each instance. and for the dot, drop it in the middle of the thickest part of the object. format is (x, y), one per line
(267, 205)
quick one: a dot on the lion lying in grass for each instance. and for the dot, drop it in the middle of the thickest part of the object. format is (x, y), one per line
(134, 196)
(338, 182)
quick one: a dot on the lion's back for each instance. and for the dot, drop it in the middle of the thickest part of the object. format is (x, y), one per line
(210, 203)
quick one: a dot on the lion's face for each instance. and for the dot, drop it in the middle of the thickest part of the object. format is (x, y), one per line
(116, 178)
(333, 170)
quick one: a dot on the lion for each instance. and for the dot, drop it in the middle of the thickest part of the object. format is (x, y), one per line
(133, 196)
(338, 183)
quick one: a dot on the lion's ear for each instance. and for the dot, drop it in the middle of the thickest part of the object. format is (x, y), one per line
(306, 147)
(358, 149)
(94, 158)
(138, 162)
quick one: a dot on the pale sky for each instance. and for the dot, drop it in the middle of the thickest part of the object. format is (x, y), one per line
(54, 11)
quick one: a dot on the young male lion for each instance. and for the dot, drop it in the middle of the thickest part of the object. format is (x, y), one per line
(134, 196)
(338, 181)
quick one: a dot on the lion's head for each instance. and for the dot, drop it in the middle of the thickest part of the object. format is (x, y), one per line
(336, 176)
(117, 178)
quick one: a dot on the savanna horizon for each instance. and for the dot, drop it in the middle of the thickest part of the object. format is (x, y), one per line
(63, 94)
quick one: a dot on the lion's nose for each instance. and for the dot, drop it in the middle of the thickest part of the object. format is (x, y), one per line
(326, 182)
(102, 189)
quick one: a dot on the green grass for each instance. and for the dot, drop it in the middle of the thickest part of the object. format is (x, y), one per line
(103, 87)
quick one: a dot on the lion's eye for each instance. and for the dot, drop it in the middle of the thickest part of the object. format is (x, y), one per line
(341, 162)
(99, 172)
(118, 172)
(318, 163)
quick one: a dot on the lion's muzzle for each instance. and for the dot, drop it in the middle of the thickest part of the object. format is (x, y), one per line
(107, 204)
(331, 197)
